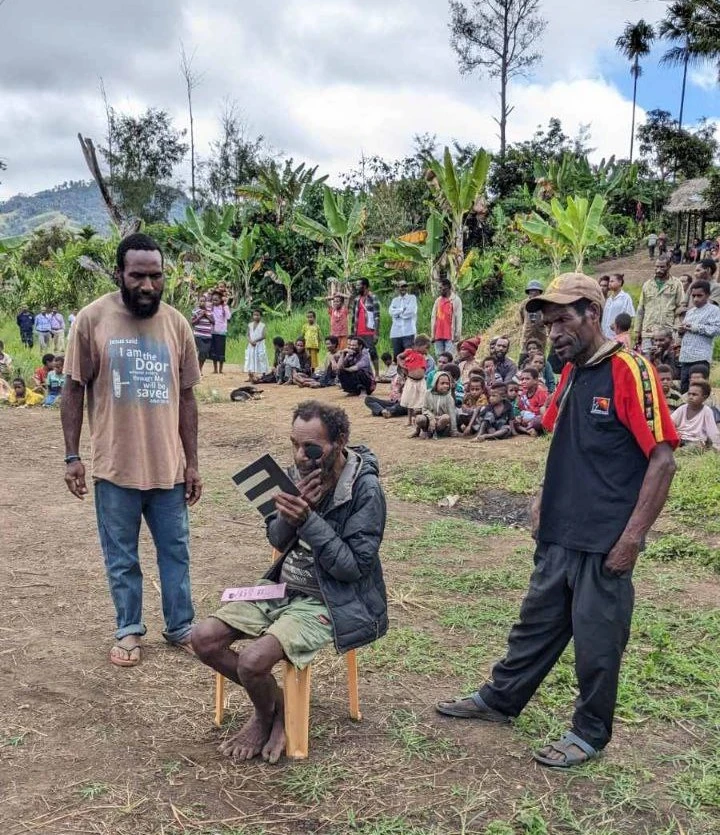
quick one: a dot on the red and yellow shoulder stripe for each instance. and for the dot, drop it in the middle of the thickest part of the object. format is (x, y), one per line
(646, 389)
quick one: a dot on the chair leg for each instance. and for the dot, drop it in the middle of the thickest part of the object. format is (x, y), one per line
(219, 698)
(297, 711)
(352, 676)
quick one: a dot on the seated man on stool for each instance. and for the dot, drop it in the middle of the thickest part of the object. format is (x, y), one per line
(329, 537)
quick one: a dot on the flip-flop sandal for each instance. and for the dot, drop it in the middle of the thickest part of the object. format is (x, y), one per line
(185, 646)
(134, 656)
(562, 746)
(479, 710)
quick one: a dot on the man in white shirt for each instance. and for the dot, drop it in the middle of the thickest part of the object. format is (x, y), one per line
(618, 301)
(403, 311)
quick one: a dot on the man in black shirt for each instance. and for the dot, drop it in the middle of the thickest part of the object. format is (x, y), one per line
(608, 474)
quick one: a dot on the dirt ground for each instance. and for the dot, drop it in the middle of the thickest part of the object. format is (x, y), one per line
(89, 748)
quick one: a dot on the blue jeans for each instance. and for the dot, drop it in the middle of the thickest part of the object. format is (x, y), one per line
(119, 513)
(443, 346)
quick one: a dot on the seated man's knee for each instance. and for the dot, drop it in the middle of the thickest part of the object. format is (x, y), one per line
(258, 658)
(421, 421)
(208, 637)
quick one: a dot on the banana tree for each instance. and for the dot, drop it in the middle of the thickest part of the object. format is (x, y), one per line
(571, 229)
(283, 277)
(457, 190)
(342, 228)
(417, 249)
(278, 190)
(235, 257)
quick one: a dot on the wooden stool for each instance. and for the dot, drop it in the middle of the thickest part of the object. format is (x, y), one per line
(296, 693)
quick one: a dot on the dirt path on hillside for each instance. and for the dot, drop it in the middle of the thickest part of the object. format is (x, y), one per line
(636, 268)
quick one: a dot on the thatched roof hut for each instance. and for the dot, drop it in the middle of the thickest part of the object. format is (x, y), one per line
(689, 205)
(689, 197)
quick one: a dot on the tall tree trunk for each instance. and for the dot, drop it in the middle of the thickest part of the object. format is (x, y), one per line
(682, 94)
(632, 128)
(192, 149)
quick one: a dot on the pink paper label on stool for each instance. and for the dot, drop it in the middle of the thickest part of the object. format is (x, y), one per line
(274, 591)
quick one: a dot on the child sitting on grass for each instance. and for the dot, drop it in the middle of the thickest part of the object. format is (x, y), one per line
(40, 375)
(443, 358)
(621, 328)
(289, 366)
(303, 357)
(491, 374)
(694, 420)
(534, 348)
(475, 400)
(439, 416)
(55, 381)
(672, 395)
(414, 362)
(312, 338)
(390, 369)
(496, 417)
(20, 395)
(513, 395)
(531, 400)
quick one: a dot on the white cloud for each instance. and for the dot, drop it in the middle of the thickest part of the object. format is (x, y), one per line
(322, 80)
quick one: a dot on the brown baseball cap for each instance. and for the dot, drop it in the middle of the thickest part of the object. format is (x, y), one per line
(566, 289)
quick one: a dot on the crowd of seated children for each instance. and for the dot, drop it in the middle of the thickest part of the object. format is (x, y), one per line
(695, 421)
(290, 364)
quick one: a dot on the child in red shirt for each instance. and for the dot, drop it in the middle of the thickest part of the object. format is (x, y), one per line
(531, 400)
(414, 362)
(338, 313)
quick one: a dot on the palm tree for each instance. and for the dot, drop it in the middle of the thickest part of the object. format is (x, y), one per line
(683, 26)
(634, 44)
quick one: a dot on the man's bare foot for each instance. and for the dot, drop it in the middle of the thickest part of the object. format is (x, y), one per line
(248, 742)
(275, 746)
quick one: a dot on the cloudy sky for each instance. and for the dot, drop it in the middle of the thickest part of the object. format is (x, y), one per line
(322, 80)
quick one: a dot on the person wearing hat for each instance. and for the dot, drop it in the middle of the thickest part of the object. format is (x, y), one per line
(532, 324)
(467, 362)
(608, 473)
(403, 312)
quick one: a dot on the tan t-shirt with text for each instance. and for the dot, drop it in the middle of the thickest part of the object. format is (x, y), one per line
(133, 370)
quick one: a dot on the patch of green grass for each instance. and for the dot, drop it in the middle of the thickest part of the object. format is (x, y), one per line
(695, 491)
(312, 782)
(471, 582)
(380, 826)
(406, 650)
(489, 614)
(89, 791)
(13, 741)
(453, 533)
(697, 786)
(415, 741)
(676, 547)
(432, 482)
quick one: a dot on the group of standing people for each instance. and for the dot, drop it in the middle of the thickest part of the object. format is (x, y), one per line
(48, 326)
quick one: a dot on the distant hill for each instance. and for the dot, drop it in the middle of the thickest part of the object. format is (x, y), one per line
(76, 204)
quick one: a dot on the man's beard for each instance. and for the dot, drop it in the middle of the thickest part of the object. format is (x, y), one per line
(131, 300)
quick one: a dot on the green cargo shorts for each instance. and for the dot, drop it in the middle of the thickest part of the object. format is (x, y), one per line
(302, 624)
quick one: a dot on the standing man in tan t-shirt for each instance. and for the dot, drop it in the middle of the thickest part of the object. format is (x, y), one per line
(135, 358)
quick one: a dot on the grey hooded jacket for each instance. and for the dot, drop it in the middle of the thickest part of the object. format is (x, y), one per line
(345, 541)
